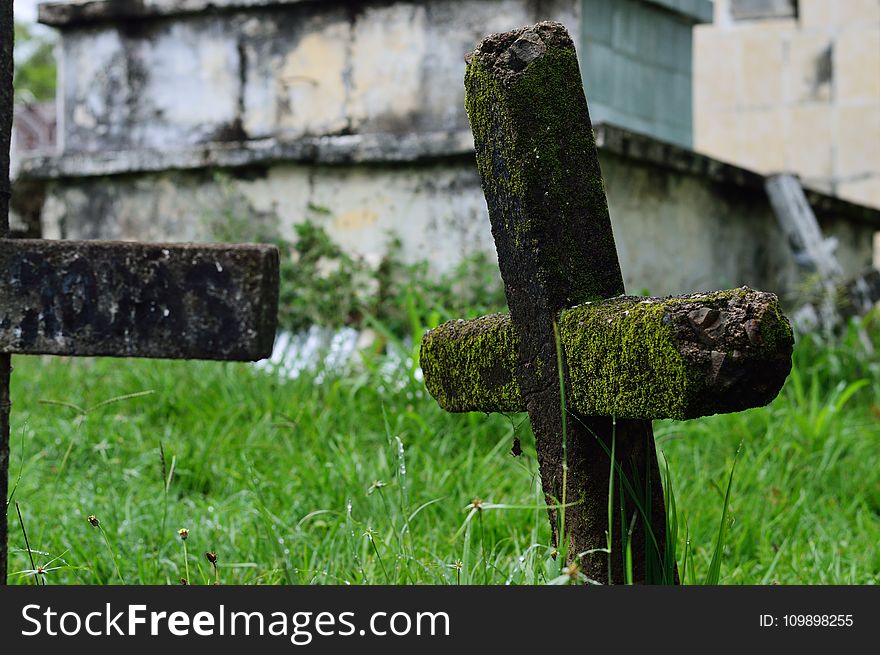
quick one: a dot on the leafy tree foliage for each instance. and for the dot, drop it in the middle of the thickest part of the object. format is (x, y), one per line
(35, 66)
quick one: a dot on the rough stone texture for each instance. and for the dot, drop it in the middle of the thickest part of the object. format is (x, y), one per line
(469, 365)
(137, 300)
(680, 357)
(632, 357)
(540, 173)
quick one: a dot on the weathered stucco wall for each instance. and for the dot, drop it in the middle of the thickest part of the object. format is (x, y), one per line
(436, 209)
(170, 74)
(682, 222)
(284, 71)
(678, 233)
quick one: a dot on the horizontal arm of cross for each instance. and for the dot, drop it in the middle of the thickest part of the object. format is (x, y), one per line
(119, 299)
(679, 357)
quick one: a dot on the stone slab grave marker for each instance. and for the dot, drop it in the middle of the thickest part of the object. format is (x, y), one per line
(625, 360)
(89, 298)
(838, 299)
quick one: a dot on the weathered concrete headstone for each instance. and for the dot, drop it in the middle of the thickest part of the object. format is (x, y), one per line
(116, 299)
(812, 251)
(834, 299)
(625, 360)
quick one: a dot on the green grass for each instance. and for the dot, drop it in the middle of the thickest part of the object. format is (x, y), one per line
(358, 480)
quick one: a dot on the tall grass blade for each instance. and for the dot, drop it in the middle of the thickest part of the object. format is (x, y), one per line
(714, 573)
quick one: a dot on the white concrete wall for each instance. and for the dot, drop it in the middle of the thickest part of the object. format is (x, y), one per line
(285, 72)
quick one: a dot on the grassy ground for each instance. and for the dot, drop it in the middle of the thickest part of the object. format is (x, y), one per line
(364, 480)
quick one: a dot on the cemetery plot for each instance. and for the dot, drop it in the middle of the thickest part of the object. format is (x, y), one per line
(590, 366)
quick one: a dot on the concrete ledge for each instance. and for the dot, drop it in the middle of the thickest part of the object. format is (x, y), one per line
(646, 148)
(64, 14)
(666, 155)
(763, 9)
(352, 149)
(392, 148)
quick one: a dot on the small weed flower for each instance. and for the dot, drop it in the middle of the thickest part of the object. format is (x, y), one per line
(45, 569)
(183, 533)
(376, 485)
(211, 556)
(457, 566)
(95, 523)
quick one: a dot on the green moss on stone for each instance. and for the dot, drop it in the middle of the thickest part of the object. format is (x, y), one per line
(623, 361)
(623, 358)
(777, 335)
(537, 159)
(469, 365)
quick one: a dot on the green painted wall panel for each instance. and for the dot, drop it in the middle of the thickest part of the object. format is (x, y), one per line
(637, 64)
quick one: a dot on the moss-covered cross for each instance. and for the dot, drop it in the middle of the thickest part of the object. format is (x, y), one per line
(625, 360)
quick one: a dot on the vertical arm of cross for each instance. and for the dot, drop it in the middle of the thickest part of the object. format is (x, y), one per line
(540, 172)
(6, 39)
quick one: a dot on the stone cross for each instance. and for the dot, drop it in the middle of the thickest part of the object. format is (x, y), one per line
(625, 360)
(90, 298)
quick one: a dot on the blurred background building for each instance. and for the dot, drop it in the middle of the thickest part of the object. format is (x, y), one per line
(793, 85)
(173, 114)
